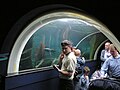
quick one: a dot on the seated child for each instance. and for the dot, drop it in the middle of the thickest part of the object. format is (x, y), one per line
(84, 79)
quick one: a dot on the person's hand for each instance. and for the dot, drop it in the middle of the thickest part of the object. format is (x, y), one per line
(55, 66)
(61, 56)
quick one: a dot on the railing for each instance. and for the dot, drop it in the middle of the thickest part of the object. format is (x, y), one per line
(3, 69)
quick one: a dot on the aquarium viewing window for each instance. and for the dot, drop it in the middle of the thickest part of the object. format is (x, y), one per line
(38, 46)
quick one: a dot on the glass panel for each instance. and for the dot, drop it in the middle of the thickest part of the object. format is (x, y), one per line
(43, 48)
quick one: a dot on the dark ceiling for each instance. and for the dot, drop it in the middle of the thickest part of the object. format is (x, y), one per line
(107, 11)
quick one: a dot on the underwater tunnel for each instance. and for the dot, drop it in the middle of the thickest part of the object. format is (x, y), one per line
(35, 44)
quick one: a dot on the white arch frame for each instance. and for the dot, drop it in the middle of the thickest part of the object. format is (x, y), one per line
(14, 60)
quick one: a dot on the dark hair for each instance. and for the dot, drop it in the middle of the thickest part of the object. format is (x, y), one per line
(66, 43)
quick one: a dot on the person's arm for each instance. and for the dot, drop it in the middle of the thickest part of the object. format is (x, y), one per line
(67, 73)
(104, 68)
(87, 83)
(82, 81)
(102, 55)
(60, 58)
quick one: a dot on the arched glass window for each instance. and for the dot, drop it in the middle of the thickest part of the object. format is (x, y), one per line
(43, 47)
(38, 46)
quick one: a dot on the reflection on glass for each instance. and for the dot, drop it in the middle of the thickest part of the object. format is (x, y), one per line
(43, 48)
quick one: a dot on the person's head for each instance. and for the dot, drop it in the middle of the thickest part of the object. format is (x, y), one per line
(66, 46)
(107, 44)
(77, 52)
(86, 70)
(113, 50)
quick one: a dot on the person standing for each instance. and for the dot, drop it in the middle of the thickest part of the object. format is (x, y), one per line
(68, 66)
(112, 64)
(105, 53)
